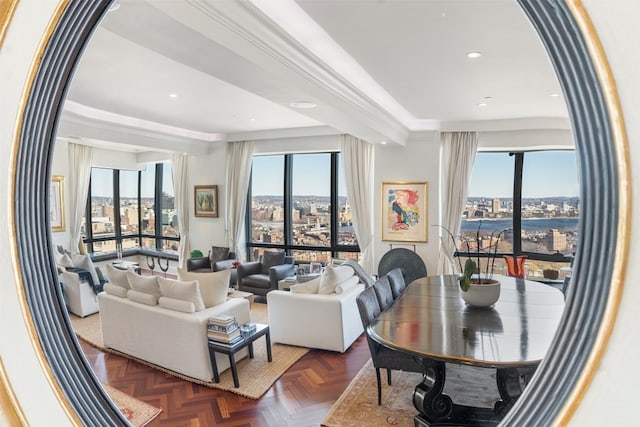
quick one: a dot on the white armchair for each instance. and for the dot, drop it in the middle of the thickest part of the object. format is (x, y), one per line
(79, 296)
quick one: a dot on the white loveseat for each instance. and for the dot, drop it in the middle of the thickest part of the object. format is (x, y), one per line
(173, 338)
(326, 319)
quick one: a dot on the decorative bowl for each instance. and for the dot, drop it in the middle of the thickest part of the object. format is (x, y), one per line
(482, 295)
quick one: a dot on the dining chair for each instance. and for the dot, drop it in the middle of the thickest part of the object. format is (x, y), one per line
(515, 265)
(396, 280)
(382, 357)
(382, 288)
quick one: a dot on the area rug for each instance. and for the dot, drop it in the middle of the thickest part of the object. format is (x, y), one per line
(255, 375)
(137, 412)
(358, 405)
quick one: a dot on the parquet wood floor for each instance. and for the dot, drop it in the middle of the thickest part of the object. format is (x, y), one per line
(301, 397)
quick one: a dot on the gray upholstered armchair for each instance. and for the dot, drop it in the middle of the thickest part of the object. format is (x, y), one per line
(260, 277)
(220, 258)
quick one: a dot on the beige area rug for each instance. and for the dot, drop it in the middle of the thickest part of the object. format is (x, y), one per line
(358, 405)
(256, 375)
(135, 411)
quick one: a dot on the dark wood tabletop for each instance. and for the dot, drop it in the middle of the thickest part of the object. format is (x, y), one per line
(431, 319)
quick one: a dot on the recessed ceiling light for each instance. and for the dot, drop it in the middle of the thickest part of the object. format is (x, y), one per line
(482, 104)
(173, 95)
(253, 119)
(474, 54)
(555, 95)
(383, 142)
(303, 104)
(488, 97)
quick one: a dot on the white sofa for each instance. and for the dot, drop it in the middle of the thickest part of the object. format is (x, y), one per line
(328, 321)
(78, 294)
(172, 339)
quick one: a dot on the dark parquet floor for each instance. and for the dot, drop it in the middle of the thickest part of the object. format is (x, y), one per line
(301, 397)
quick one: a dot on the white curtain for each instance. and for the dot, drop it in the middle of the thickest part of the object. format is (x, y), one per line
(458, 154)
(179, 171)
(238, 172)
(357, 156)
(80, 157)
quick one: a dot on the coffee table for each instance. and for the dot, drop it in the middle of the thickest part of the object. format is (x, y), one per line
(246, 341)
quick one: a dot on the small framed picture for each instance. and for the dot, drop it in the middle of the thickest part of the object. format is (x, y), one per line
(56, 203)
(205, 200)
(404, 211)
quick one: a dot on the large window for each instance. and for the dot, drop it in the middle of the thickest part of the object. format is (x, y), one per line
(298, 203)
(123, 205)
(533, 196)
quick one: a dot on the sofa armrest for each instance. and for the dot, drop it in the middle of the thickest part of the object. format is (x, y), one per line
(201, 263)
(279, 272)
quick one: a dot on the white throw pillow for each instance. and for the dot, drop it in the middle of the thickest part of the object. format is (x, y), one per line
(333, 275)
(177, 305)
(63, 260)
(186, 291)
(308, 287)
(347, 285)
(142, 297)
(84, 262)
(146, 284)
(117, 277)
(116, 290)
(214, 286)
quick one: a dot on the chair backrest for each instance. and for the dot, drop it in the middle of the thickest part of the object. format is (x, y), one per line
(396, 280)
(515, 265)
(369, 309)
(382, 289)
(408, 261)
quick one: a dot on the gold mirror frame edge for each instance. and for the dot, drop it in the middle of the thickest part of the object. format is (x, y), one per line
(11, 407)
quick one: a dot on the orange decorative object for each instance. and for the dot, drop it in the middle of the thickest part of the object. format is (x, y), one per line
(515, 265)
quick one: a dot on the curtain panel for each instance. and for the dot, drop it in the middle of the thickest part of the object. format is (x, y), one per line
(458, 154)
(238, 172)
(358, 157)
(179, 172)
(80, 158)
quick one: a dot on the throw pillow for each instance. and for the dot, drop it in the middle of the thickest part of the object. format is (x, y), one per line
(186, 291)
(142, 297)
(214, 286)
(333, 275)
(308, 287)
(63, 260)
(270, 259)
(177, 305)
(116, 290)
(347, 285)
(218, 253)
(84, 262)
(117, 277)
(146, 284)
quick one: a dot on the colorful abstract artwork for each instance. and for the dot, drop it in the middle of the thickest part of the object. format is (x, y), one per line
(404, 211)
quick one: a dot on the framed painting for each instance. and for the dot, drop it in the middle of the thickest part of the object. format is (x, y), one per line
(205, 199)
(404, 211)
(56, 203)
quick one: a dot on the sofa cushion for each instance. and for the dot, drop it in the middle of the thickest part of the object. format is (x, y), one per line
(347, 285)
(145, 284)
(270, 259)
(218, 253)
(84, 262)
(142, 297)
(177, 304)
(333, 275)
(181, 290)
(117, 277)
(214, 285)
(308, 287)
(116, 290)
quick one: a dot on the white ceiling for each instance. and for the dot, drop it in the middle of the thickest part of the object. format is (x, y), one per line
(378, 69)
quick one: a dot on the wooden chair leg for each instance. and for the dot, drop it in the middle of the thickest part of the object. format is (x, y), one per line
(379, 387)
(389, 376)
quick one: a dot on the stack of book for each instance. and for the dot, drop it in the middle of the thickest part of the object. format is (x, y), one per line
(224, 330)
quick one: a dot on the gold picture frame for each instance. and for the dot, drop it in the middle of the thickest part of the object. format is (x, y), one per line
(56, 203)
(404, 211)
(205, 201)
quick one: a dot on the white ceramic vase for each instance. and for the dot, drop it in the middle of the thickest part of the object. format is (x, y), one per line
(482, 295)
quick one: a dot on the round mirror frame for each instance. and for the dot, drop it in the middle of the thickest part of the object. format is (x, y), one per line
(591, 307)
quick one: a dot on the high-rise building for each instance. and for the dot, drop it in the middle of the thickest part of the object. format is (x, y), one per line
(495, 206)
(555, 240)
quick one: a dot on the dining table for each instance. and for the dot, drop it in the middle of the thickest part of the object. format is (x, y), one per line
(431, 321)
